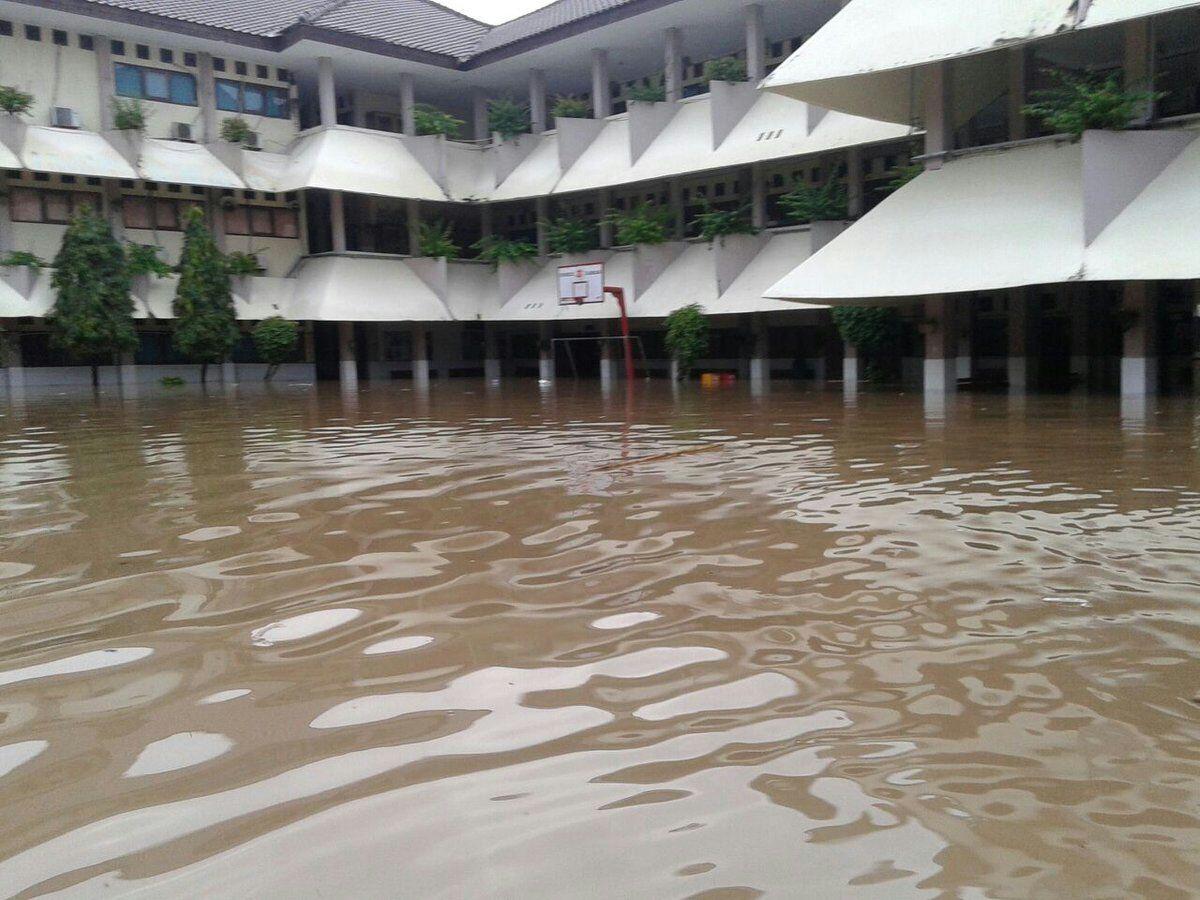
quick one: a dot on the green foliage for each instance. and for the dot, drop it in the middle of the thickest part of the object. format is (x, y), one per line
(902, 175)
(129, 115)
(242, 263)
(715, 223)
(275, 340)
(205, 321)
(571, 108)
(1080, 103)
(644, 224)
(143, 259)
(508, 117)
(647, 93)
(14, 102)
(727, 68)
(687, 337)
(171, 381)
(497, 250)
(436, 240)
(92, 314)
(827, 203)
(431, 120)
(20, 258)
(569, 236)
(235, 130)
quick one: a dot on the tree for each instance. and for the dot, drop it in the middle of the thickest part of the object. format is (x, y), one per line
(275, 340)
(205, 320)
(870, 329)
(687, 337)
(92, 314)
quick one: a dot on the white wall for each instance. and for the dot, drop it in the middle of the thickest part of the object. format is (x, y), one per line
(56, 76)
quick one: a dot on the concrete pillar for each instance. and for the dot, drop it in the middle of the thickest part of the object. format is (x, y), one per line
(347, 355)
(758, 197)
(609, 371)
(206, 96)
(408, 103)
(601, 92)
(106, 81)
(420, 356)
(492, 366)
(1022, 341)
(941, 345)
(538, 117)
(542, 210)
(545, 352)
(216, 216)
(228, 372)
(1139, 62)
(673, 64)
(10, 358)
(6, 229)
(479, 115)
(413, 221)
(1139, 358)
(485, 220)
(1080, 336)
(127, 373)
(756, 44)
(939, 132)
(678, 213)
(855, 189)
(326, 92)
(337, 220)
(851, 376)
(1017, 57)
(760, 352)
(603, 204)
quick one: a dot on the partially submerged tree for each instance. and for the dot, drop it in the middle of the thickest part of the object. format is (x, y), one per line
(687, 337)
(870, 329)
(275, 340)
(92, 316)
(205, 320)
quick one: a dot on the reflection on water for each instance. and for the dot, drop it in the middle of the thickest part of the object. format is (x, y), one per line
(541, 643)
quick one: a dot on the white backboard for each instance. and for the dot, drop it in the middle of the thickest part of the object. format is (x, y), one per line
(580, 284)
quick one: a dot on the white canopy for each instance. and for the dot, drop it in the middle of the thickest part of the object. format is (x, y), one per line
(364, 289)
(358, 161)
(747, 294)
(8, 159)
(67, 152)
(535, 176)
(14, 306)
(182, 163)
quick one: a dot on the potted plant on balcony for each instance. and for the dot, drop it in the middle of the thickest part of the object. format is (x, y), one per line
(726, 68)
(1088, 101)
(431, 120)
(715, 224)
(564, 236)
(499, 250)
(129, 115)
(508, 118)
(647, 93)
(643, 225)
(13, 101)
(235, 130)
(571, 108)
(436, 240)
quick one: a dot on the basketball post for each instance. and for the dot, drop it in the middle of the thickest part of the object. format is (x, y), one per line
(619, 294)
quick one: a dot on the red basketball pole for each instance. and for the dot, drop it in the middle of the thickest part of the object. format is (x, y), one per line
(619, 293)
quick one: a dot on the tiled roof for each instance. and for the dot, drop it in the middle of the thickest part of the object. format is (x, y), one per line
(563, 12)
(264, 18)
(417, 24)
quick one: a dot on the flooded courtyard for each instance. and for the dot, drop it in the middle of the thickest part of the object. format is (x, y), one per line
(549, 643)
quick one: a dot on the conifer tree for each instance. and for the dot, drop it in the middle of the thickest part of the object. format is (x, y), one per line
(92, 314)
(205, 320)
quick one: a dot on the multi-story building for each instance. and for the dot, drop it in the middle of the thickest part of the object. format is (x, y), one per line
(332, 187)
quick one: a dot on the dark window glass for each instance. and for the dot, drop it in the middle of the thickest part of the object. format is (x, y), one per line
(239, 68)
(87, 42)
(33, 33)
(166, 56)
(283, 74)
(5, 28)
(117, 48)
(156, 84)
(189, 60)
(277, 104)
(218, 64)
(59, 37)
(262, 72)
(143, 52)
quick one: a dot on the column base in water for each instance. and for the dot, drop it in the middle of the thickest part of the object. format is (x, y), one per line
(941, 376)
(1139, 376)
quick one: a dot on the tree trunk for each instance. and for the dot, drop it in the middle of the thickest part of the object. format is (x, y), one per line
(95, 376)
(271, 370)
(204, 373)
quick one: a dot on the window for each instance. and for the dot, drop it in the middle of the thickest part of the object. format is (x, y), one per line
(118, 48)
(87, 42)
(155, 84)
(143, 52)
(5, 28)
(154, 213)
(262, 221)
(33, 33)
(262, 72)
(239, 68)
(49, 207)
(189, 60)
(59, 37)
(218, 64)
(166, 56)
(283, 75)
(253, 99)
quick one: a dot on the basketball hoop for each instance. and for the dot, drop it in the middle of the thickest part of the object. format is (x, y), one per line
(583, 283)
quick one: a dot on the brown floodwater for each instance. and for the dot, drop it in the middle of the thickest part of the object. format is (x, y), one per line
(521, 643)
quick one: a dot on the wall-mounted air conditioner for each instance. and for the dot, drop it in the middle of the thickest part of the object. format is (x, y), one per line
(64, 117)
(181, 131)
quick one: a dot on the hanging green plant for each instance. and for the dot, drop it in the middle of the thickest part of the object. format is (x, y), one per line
(805, 203)
(436, 240)
(143, 259)
(431, 120)
(569, 235)
(645, 224)
(129, 115)
(571, 108)
(497, 250)
(14, 102)
(715, 223)
(902, 175)
(687, 337)
(1087, 101)
(647, 93)
(508, 118)
(242, 263)
(235, 130)
(727, 68)
(18, 259)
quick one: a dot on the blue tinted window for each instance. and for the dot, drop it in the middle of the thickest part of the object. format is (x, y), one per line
(228, 96)
(155, 84)
(183, 89)
(129, 80)
(277, 104)
(253, 100)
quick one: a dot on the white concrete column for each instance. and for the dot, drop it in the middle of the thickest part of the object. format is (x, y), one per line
(216, 217)
(6, 228)
(1022, 341)
(855, 189)
(604, 203)
(1080, 336)
(326, 92)
(756, 44)
(601, 92)
(492, 366)
(337, 220)
(408, 103)
(608, 361)
(545, 352)
(206, 96)
(542, 211)
(420, 356)
(1017, 57)
(347, 355)
(758, 197)
(760, 353)
(673, 64)
(1139, 359)
(228, 372)
(939, 130)
(538, 116)
(851, 376)
(106, 80)
(10, 358)
(941, 345)
(412, 210)
(479, 115)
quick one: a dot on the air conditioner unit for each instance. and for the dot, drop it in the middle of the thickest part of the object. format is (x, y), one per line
(250, 141)
(181, 131)
(64, 117)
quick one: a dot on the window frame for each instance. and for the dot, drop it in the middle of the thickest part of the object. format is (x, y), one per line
(144, 72)
(268, 92)
(74, 201)
(278, 215)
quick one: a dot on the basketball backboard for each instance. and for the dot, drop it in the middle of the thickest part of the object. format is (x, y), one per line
(580, 284)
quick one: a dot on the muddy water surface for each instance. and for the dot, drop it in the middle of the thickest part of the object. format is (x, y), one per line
(528, 644)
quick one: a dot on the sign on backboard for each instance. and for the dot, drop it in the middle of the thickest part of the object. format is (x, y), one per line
(580, 284)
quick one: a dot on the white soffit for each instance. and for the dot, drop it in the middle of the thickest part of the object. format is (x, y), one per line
(358, 161)
(690, 278)
(780, 256)
(1156, 235)
(363, 289)
(606, 163)
(177, 162)
(685, 145)
(264, 171)
(535, 176)
(470, 174)
(14, 306)
(8, 159)
(986, 222)
(259, 297)
(67, 152)
(472, 292)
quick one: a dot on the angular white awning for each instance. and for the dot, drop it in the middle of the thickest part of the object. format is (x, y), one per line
(358, 161)
(177, 162)
(14, 306)
(985, 222)
(748, 292)
(364, 289)
(605, 163)
(470, 172)
(263, 171)
(8, 159)
(64, 151)
(535, 176)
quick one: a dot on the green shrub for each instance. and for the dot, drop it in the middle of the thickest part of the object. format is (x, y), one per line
(903, 175)
(870, 329)
(275, 341)
(569, 235)
(715, 223)
(13, 101)
(241, 263)
(129, 115)
(805, 203)
(235, 130)
(727, 68)
(644, 224)
(508, 118)
(436, 240)
(431, 120)
(21, 259)
(571, 108)
(1089, 101)
(498, 250)
(647, 93)
(687, 337)
(143, 259)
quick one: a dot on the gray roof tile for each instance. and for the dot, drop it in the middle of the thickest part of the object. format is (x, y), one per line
(264, 18)
(418, 24)
(563, 12)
